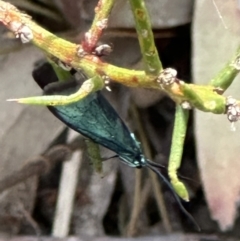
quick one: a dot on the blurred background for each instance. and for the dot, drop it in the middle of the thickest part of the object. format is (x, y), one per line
(196, 38)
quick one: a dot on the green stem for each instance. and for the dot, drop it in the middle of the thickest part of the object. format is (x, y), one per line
(62, 74)
(149, 52)
(204, 98)
(99, 23)
(179, 133)
(226, 76)
(93, 151)
(91, 85)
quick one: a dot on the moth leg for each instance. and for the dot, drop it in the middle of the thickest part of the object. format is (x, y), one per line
(179, 132)
(88, 86)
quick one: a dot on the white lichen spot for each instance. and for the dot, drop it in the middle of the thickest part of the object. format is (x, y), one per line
(167, 76)
(15, 26)
(88, 36)
(103, 49)
(102, 24)
(233, 109)
(87, 86)
(144, 33)
(21, 31)
(80, 52)
(186, 105)
(25, 34)
(230, 101)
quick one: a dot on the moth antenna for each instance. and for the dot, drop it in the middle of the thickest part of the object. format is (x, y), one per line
(154, 164)
(159, 174)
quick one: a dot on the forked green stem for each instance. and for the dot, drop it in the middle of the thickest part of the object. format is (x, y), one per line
(90, 85)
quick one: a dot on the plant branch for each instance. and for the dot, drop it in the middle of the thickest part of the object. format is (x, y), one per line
(67, 52)
(154, 179)
(102, 12)
(89, 86)
(178, 137)
(132, 226)
(36, 166)
(226, 76)
(42, 164)
(204, 98)
(94, 154)
(150, 55)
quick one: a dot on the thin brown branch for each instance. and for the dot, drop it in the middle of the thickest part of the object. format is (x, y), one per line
(132, 227)
(155, 182)
(39, 165)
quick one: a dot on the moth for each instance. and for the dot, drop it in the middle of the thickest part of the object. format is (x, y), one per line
(96, 119)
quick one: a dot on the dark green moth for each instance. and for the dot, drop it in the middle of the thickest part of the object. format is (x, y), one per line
(96, 119)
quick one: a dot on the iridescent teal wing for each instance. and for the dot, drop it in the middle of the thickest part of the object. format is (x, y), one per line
(94, 118)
